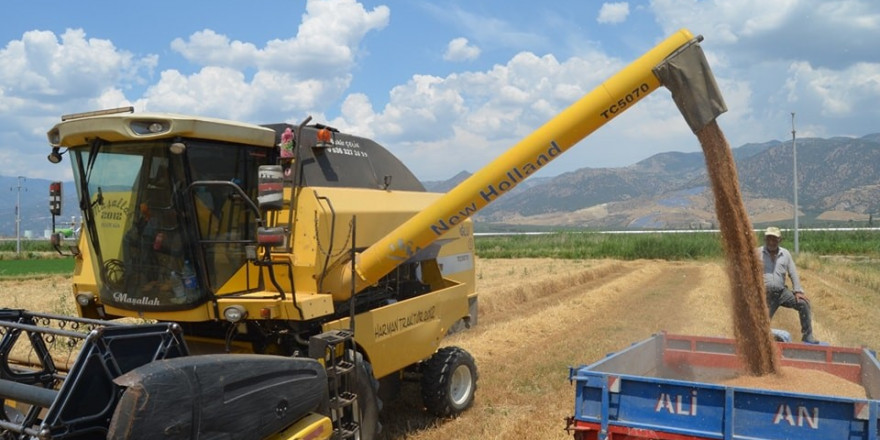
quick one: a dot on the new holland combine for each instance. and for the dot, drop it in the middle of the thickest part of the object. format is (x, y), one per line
(273, 275)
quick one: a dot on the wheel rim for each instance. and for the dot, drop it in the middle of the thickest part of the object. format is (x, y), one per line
(461, 385)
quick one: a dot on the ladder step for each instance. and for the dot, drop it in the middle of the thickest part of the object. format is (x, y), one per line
(343, 400)
(347, 431)
(341, 368)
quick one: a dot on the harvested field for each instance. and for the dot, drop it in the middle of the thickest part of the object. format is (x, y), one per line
(540, 316)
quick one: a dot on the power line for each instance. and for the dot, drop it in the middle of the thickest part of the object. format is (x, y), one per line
(795, 173)
(21, 179)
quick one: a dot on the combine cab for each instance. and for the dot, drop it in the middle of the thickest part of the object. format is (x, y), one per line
(231, 231)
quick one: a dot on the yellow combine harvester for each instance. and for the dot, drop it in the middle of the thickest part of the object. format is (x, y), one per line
(302, 264)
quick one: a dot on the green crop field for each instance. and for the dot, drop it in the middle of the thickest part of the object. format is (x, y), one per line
(663, 245)
(34, 267)
(36, 260)
(9, 246)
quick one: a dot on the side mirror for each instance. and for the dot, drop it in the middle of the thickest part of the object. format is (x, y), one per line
(270, 191)
(56, 239)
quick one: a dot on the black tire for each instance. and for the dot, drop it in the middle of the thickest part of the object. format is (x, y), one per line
(368, 403)
(449, 382)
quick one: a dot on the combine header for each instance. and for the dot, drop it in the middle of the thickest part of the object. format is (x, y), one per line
(79, 396)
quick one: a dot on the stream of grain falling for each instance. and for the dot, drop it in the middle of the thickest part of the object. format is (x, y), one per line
(751, 320)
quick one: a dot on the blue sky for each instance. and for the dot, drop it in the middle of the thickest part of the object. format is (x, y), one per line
(445, 85)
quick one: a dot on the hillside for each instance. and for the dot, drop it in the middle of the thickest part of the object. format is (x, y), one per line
(838, 180)
(34, 196)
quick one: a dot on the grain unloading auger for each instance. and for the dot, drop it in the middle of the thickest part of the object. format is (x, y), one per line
(296, 242)
(678, 62)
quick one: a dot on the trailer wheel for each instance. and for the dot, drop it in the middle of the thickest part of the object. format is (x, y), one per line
(368, 403)
(449, 380)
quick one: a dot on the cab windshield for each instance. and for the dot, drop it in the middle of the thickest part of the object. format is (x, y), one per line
(162, 243)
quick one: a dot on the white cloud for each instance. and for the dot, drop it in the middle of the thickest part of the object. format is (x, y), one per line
(325, 44)
(43, 75)
(227, 93)
(208, 48)
(459, 49)
(435, 123)
(211, 91)
(816, 58)
(823, 33)
(725, 21)
(39, 66)
(307, 73)
(613, 13)
(837, 93)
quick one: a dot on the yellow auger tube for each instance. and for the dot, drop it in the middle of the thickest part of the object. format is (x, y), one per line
(546, 143)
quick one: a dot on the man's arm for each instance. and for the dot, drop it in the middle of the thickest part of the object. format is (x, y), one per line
(795, 279)
(793, 274)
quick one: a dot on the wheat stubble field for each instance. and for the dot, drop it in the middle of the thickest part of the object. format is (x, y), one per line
(540, 316)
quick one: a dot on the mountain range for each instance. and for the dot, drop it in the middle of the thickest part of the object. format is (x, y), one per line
(838, 182)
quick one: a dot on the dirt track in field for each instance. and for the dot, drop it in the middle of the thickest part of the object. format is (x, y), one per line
(540, 316)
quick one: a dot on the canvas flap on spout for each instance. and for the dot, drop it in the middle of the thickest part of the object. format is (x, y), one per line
(687, 75)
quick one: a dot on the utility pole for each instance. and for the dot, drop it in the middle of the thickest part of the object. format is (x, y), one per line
(18, 215)
(795, 174)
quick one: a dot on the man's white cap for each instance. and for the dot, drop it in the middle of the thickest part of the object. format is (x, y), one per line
(774, 231)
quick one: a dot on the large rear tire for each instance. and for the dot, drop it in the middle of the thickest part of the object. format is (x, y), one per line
(368, 403)
(449, 382)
